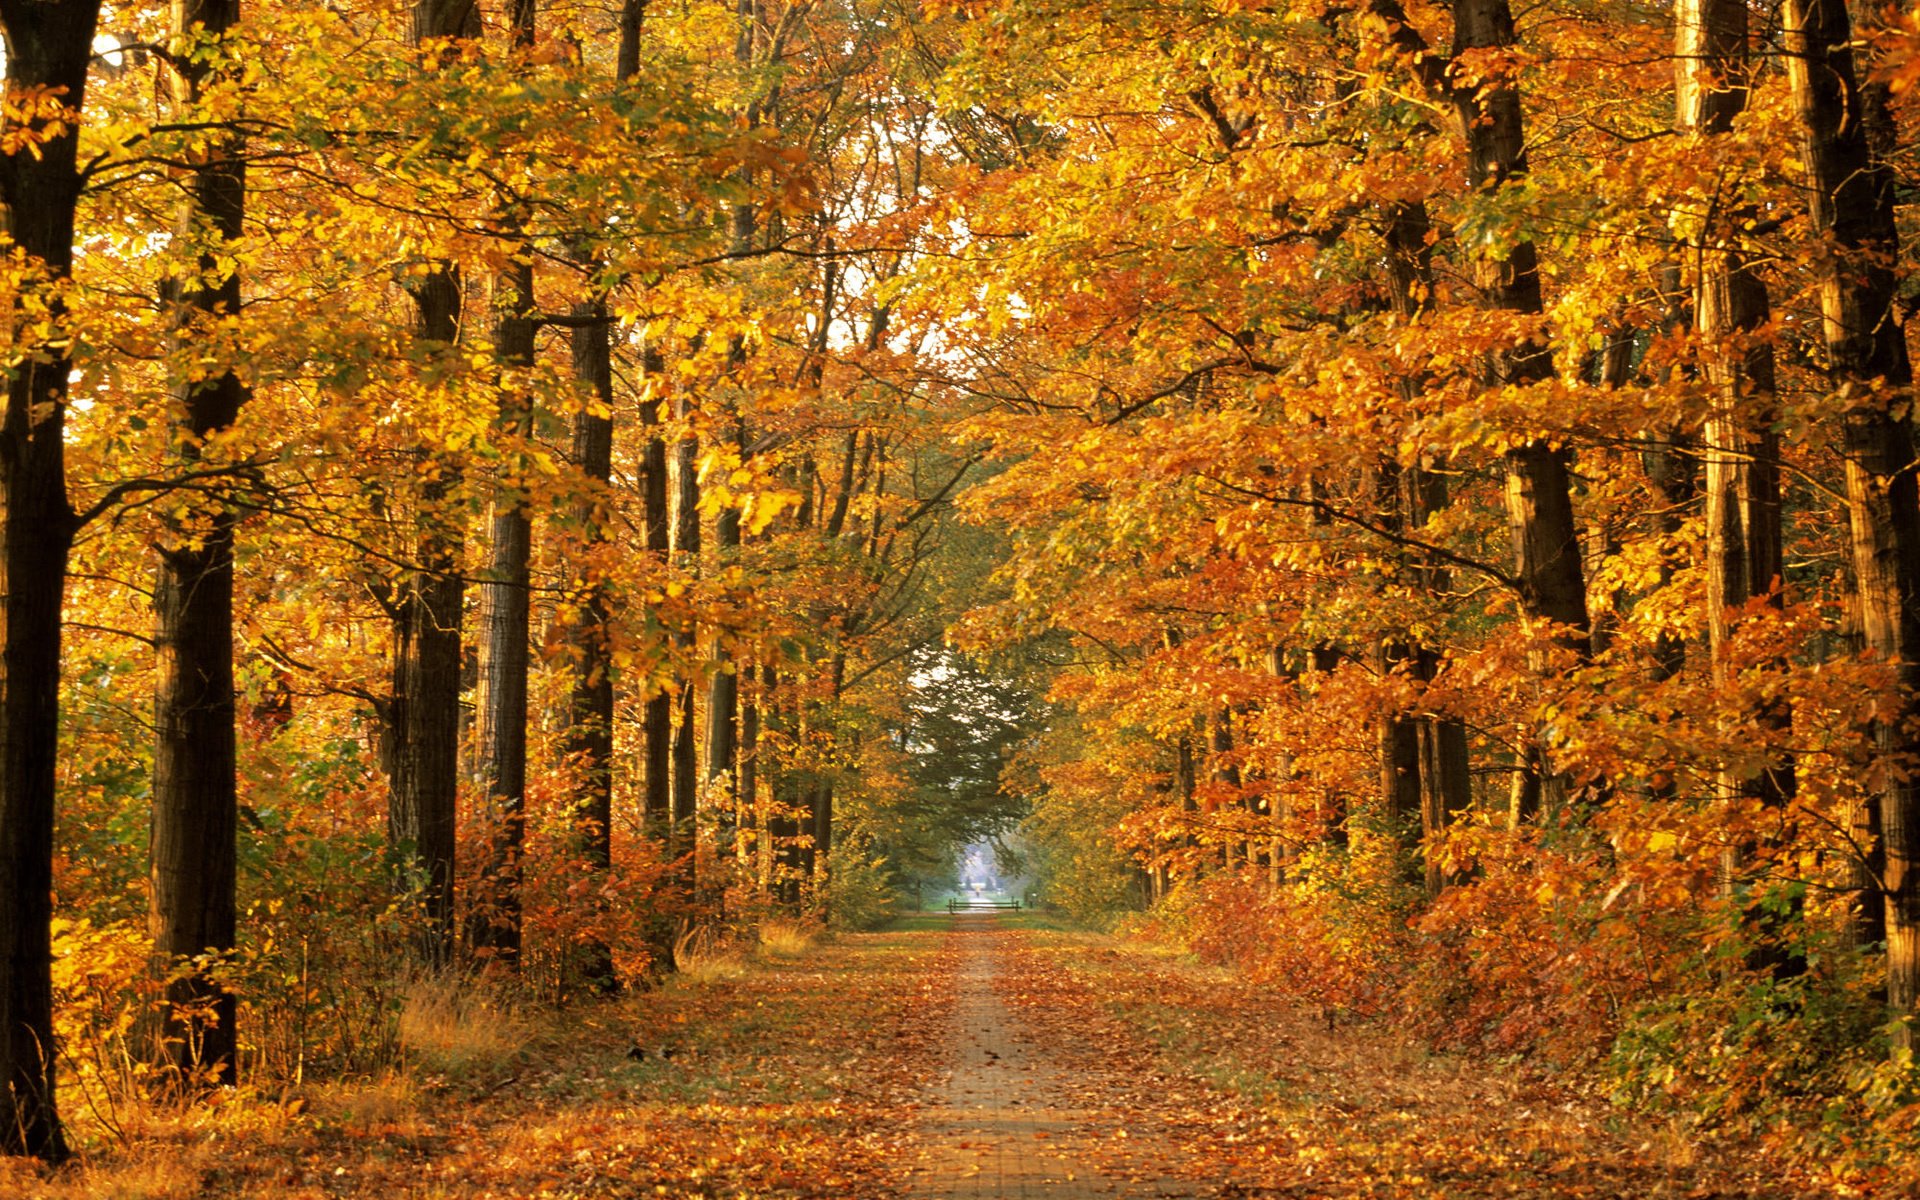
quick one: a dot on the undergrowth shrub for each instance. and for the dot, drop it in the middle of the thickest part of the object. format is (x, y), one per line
(861, 890)
(1639, 972)
(1333, 935)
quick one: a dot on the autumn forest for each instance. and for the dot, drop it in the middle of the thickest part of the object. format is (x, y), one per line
(526, 520)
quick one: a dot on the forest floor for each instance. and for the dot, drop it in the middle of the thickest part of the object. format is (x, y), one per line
(950, 1057)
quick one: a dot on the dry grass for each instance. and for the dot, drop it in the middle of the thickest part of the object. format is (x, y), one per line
(701, 956)
(155, 1174)
(371, 1106)
(785, 937)
(457, 1027)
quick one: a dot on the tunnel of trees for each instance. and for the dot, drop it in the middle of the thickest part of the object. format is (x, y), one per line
(1422, 497)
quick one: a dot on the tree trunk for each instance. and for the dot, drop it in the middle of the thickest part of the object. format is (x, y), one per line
(424, 718)
(1745, 550)
(49, 43)
(746, 793)
(505, 628)
(590, 715)
(505, 620)
(1444, 786)
(1397, 735)
(192, 848)
(1853, 208)
(1672, 466)
(686, 551)
(723, 691)
(822, 823)
(657, 723)
(1539, 498)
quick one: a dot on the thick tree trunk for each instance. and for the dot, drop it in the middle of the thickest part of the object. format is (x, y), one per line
(1745, 549)
(192, 848)
(1397, 734)
(1227, 773)
(590, 714)
(1672, 465)
(767, 851)
(49, 43)
(1444, 786)
(1853, 208)
(505, 630)
(506, 616)
(424, 718)
(822, 824)
(1539, 497)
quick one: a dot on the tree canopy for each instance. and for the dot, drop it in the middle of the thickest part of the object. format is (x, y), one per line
(1421, 497)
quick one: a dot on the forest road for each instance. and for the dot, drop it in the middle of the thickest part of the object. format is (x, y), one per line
(1018, 1114)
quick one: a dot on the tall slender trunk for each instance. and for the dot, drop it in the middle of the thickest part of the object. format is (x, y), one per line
(1397, 734)
(656, 730)
(788, 863)
(1227, 773)
(767, 849)
(686, 551)
(1539, 495)
(49, 43)
(1444, 785)
(826, 731)
(1672, 469)
(1853, 210)
(424, 718)
(506, 617)
(192, 849)
(746, 793)
(1745, 548)
(590, 713)
(723, 689)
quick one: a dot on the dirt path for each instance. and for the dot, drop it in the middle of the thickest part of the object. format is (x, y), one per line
(1075, 1067)
(984, 1059)
(1011, 1117)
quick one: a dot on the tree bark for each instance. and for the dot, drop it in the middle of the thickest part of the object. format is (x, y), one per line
(1539, 497)
(723, 690)
(1745, 548)
(49, 43)
(747, 793)
(686, 551)
(590, 713)
(1853, 210)
(424, 717)
(657, 722)
(505, 620)
(191, 912)
(1444, 785)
